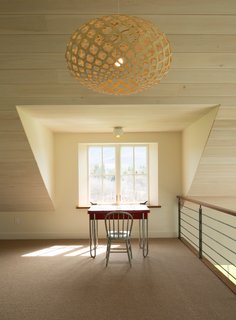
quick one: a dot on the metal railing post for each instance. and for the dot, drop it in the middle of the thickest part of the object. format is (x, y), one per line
(200, 233)
(179, 218)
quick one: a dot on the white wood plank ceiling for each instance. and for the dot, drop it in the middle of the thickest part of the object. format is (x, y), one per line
(33, 37)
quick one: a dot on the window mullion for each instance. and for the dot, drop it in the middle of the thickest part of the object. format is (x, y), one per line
(118, 175)
(102, 173)
(134, 174)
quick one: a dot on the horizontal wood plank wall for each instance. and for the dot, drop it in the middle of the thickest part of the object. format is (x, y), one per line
(33, 37)
(216, 173)
(135, 7)
(63, 24)
(53, 43)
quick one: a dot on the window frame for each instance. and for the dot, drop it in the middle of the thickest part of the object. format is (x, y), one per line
(152, 158)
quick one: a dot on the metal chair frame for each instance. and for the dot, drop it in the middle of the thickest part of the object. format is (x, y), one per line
(118, 226)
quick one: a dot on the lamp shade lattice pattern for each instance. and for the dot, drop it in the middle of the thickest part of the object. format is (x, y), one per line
(118, 54)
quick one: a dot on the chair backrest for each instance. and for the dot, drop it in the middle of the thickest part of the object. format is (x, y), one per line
(118, 224)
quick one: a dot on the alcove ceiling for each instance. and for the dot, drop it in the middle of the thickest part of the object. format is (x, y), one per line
(102, 119)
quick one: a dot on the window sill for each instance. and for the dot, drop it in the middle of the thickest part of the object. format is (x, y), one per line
(149, 206)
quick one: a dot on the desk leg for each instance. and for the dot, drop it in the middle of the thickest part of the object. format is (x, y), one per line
(143, 235)
(140, 234)
(93, 236)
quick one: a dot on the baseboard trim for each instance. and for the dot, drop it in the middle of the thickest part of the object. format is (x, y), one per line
(51, 235)
(73, 235)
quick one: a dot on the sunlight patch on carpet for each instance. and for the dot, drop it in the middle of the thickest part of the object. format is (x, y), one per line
(66, 250)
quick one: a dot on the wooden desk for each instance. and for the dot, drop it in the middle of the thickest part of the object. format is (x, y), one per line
(139, 212)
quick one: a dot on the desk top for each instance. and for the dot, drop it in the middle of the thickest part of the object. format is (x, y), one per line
(122, 207)
(135, 209)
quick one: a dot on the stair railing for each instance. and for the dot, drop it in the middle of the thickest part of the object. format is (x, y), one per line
(210, 232)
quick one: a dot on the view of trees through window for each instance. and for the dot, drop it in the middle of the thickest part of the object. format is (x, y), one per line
(118, 173)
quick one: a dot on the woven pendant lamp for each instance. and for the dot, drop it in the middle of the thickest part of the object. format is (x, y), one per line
(118, 54)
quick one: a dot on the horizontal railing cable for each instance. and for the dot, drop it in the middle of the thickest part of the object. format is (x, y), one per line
(190, 208)
(189, 232)
(226, 224)
(218, 243)
(230, 274)
(189, 216)
(190, 240)
(222, 233)
(230, 262)
(189, 224)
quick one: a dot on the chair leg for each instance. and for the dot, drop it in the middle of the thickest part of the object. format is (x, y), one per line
(108, 251)
(130, 248)
(128, 252)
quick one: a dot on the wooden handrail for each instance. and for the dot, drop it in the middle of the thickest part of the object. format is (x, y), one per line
(208, 205)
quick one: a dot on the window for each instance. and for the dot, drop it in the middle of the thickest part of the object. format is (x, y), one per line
(120, 173)
(133, 173)
(102, 174)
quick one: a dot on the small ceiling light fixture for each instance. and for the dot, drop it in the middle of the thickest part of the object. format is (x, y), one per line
(118, 132)
(118, 54)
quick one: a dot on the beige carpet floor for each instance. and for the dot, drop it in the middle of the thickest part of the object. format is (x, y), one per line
(57, 280)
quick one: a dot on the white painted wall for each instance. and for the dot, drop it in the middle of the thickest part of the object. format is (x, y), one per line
(194, 139)
(42, 145)
(69, 222)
